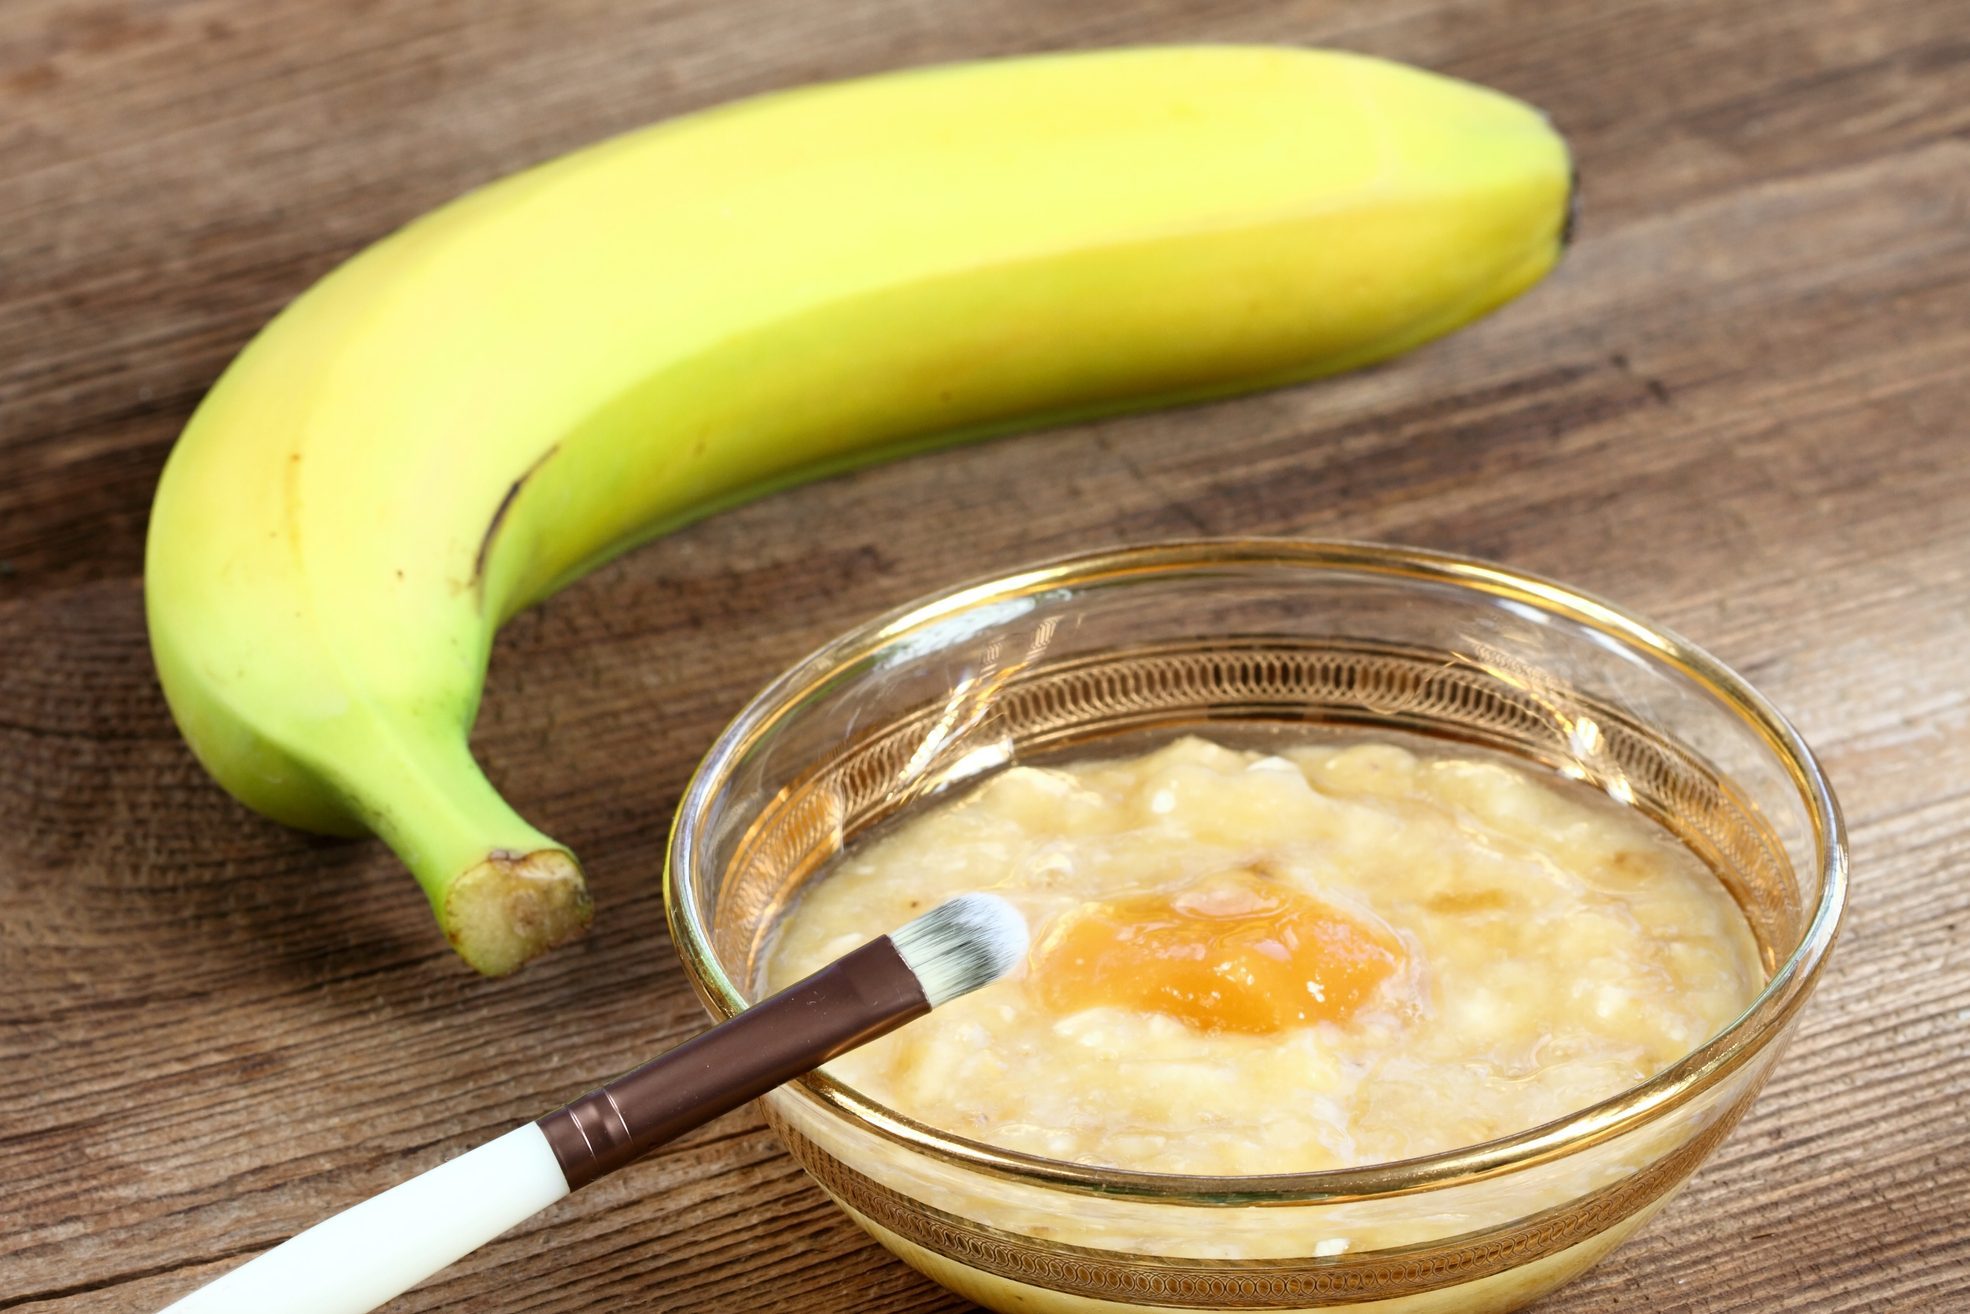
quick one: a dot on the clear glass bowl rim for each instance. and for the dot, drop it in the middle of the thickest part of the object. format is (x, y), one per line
(1762, 1021)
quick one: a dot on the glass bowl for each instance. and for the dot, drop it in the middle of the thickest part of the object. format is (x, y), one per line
(1241, 637)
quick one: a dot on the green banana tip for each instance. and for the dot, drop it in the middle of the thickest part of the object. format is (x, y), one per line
(512, 907)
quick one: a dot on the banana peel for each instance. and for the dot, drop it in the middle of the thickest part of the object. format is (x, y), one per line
(524, 383)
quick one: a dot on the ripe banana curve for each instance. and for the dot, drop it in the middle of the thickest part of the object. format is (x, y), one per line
(514, 388)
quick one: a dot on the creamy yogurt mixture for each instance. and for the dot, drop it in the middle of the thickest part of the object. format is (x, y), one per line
(1336, 953)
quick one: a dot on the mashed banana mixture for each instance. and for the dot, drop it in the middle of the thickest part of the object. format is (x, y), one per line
(1343, 952)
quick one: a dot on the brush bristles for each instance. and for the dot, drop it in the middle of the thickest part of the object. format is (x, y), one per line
(959, 946)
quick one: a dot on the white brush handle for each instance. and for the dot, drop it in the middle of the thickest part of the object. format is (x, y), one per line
(353, 1262)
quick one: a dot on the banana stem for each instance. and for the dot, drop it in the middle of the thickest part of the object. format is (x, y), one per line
(503, 892)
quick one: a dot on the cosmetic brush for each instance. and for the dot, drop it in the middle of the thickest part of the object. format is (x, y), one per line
(372, 1251)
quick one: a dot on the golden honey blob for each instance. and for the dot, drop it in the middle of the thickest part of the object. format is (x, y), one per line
(1232, 952)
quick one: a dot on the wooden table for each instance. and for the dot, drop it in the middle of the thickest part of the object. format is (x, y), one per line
(1740, 407)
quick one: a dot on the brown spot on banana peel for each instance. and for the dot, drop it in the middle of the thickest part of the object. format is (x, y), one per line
(1571, 224)
(499, 518)
(515, 906)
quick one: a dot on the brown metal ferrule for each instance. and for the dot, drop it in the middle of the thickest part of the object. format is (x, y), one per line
(850, 1002)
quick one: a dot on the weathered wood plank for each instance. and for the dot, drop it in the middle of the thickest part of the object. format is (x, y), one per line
(1740, 407)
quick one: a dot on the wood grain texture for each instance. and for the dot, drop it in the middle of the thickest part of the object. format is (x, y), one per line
(1741, 407)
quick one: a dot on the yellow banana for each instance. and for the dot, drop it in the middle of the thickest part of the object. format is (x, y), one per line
(517, 386)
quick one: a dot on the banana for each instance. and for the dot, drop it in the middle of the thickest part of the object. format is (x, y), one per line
(514, 388)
